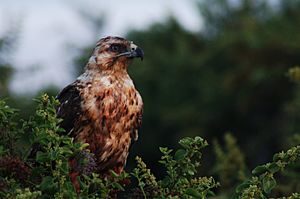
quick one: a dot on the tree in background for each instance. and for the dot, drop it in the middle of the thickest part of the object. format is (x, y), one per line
(5, 74)
(6, 45)
(230, 76)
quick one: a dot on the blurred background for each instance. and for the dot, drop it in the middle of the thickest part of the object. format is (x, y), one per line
(210, 67)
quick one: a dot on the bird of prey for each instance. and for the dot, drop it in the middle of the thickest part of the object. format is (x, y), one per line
(102, 107)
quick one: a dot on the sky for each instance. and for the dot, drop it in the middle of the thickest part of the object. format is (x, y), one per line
(51, 31)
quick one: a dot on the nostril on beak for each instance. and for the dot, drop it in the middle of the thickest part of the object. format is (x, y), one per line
(133, 46)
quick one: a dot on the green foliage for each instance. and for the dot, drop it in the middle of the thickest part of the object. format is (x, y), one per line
(226, 77)
(230, 163)
(54, 149)
(43, 169)
(181, 179)
(263, 181)
(5, 75)
(294, 73)
(27, 194)
(8, 128)
(8, 42)
(46, 163)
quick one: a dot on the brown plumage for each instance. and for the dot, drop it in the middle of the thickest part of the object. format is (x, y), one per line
(102, 107)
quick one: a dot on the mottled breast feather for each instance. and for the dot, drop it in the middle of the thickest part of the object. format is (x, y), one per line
(105, 112)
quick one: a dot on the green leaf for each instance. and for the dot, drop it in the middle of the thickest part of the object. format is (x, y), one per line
(180, 154)
(47, 183)
(53, 155)
(42, 157)
(67, 151)
(273, 167)
(259, 170)
(83, 146)
(114, 174)
(193, 192)
(191, 171)
(166, 181)
(186, 142)
(242, 186)
(183, 180)
(2, 150)
(163, 149)
(268, 183)
(210, 193)
(118, 186)
(276, 157)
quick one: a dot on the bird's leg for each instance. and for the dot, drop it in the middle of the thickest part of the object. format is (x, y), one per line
(118, 169)
(74, 174)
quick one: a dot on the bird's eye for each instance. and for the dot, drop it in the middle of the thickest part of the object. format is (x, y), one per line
(115, 47)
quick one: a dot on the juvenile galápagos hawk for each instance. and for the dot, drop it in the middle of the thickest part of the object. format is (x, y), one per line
(102, 107)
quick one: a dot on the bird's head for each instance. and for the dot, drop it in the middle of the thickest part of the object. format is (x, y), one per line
(114, 53)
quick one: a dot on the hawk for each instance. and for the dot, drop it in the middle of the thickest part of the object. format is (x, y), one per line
(102, 107)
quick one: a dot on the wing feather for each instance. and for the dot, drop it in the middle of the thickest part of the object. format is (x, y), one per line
(70, 106)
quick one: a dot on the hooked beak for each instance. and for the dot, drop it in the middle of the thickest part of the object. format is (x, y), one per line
(135, 51)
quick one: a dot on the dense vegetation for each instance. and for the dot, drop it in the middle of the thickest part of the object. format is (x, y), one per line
(35, 156)
(231, 76)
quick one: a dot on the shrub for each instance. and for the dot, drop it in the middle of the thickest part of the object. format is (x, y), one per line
(35, 156)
